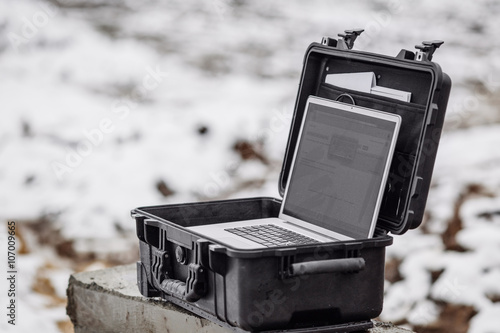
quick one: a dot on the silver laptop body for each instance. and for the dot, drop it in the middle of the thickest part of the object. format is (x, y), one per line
(335, 187)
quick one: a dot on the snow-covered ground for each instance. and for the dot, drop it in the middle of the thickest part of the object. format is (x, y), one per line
(109, 105)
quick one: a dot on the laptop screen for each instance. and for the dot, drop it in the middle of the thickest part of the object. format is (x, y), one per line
(338, 170)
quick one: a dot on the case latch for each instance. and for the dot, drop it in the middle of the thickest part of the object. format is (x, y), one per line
(348, 37)
(347, 40)
(427, 49)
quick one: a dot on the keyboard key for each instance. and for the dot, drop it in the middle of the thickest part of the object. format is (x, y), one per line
(271, 235)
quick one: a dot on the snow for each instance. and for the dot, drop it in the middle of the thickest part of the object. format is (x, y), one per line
(486, 321)
(117, 94)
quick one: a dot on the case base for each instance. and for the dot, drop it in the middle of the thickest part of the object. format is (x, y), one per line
(339, 328)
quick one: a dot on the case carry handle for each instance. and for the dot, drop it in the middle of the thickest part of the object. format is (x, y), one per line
(195, 286)
(192, 290)
(346, 265)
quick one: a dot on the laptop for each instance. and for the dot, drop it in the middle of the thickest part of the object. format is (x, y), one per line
(336, 183)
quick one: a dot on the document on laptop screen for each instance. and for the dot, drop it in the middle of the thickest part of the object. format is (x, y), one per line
(338, 170)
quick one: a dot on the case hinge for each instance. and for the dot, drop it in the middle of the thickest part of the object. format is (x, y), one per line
(431, 117)
(427, 49)
(217, 258)
(417, 187)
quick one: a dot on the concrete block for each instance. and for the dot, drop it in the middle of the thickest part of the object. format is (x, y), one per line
(108, 300)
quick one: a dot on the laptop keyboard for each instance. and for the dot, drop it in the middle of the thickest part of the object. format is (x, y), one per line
(271, 235)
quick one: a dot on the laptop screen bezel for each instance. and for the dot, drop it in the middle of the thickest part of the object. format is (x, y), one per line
(396, 119)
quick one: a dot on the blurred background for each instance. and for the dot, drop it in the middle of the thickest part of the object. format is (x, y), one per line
(108, 105)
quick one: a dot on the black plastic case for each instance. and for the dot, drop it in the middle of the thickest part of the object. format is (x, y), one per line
(333, 287)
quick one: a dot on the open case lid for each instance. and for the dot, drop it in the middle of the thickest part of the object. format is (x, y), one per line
(410, 173)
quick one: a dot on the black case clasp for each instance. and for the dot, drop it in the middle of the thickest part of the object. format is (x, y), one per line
(346, 41)
(427, 49)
